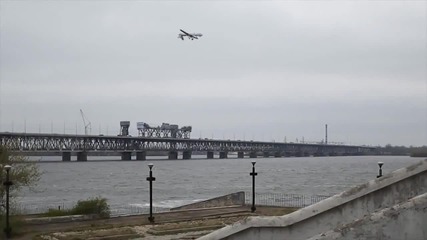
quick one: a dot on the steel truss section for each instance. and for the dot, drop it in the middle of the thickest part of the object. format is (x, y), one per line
(164, 133)
(32, 142)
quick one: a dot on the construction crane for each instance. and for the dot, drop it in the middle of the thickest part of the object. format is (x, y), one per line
(88, 126)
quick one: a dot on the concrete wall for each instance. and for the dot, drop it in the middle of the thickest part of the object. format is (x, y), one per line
(339, 210)
(232, 199)
(402, 221)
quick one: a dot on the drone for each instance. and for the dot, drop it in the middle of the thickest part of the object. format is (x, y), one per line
(191, 36)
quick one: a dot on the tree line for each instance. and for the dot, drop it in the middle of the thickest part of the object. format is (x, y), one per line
(403, 150)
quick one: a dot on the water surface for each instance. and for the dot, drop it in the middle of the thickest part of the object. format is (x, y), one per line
(179, 182)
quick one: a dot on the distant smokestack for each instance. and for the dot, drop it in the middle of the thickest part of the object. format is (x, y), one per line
(326, 133)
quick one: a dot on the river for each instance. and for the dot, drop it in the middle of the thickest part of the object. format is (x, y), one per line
(179, 182)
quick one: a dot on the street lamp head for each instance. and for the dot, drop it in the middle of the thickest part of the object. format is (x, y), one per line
(150, 165)
(253, 163)
(7, 167)
(380, 164)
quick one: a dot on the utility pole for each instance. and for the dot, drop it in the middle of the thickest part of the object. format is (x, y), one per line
(326, 133)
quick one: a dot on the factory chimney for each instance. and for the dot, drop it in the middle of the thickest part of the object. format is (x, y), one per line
(326, 133)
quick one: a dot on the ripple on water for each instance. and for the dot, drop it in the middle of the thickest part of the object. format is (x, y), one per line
(181, 182)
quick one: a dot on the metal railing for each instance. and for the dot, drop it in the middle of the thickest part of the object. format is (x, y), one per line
(261, 199)
(114, 211)
(283, 199)
(134, 210)
(38, 209)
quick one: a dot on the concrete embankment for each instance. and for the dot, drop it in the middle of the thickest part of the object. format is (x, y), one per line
(384, 194)
(402, 221)
(233, 199)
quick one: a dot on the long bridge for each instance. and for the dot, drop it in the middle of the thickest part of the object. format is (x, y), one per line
(81, 145)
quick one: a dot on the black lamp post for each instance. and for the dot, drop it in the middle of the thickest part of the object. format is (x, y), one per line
(253, 174)
(7, 184)
(380, 171)
(151, 179)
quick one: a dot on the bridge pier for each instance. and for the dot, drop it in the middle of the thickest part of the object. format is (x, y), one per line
(240, 155)
(66, 156)
(210, 155)
(266, 154)
(253, 154)
(173, 155)
(319, 154)
(278, 154)
(126, 156)
(223, 155)
(81, 156)
(186, 155)
(141, 155)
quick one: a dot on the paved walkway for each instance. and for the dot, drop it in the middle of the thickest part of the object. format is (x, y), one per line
(165, 217)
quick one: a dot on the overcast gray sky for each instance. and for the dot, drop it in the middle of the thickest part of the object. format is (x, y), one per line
(263, 70)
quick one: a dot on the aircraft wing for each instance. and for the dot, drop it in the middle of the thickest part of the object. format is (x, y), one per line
(186, 33)
(191, 36)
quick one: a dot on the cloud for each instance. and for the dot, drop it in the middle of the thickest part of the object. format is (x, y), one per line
(261, 68)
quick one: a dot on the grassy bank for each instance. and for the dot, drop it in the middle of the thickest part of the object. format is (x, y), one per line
(96, 206)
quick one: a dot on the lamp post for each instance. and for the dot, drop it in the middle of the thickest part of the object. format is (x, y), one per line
(380, 171)
(151, 179)
(253, 174)
(7, 184)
